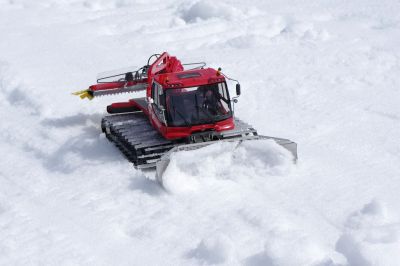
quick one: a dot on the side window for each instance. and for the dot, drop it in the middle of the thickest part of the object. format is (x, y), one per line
(153, 89)
(160, 97)
(222, 91)
(159, 102)
(224, 97)
(156, 94)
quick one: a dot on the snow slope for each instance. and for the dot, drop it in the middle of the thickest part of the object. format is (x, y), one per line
(325, 74)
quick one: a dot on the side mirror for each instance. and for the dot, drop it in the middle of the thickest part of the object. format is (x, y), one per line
(238, 89)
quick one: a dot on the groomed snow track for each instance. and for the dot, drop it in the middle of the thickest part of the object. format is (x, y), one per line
(142, 145)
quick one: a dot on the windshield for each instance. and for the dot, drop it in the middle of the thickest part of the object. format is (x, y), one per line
(205, 104)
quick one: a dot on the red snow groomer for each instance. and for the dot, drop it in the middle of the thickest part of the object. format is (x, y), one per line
(184, 109)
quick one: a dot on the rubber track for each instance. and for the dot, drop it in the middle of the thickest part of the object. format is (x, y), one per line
(133, 134)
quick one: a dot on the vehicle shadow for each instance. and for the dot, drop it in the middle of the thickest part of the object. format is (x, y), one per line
(88, 146)
(73, 120)
(146, 185)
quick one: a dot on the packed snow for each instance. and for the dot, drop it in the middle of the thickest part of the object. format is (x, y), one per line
(325, 74)
(224, 162)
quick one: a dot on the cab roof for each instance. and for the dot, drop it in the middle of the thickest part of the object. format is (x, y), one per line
(189, 78)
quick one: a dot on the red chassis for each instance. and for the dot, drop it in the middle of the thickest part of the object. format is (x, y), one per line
(166, 73)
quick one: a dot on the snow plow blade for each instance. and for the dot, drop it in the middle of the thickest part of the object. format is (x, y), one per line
(163, 162)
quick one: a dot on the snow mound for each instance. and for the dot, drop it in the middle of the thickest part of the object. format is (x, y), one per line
(223, 162)
(100, 5)
(290, 247)
(275, 29)
(215, 249)
(206, 9)
(370, 237)
(13, 93)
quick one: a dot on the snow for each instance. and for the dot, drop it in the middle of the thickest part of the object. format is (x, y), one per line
(369, 233)
(323, 74)
(222, 163)
(206, 9)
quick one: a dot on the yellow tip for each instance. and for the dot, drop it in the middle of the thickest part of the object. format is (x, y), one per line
(83, 94)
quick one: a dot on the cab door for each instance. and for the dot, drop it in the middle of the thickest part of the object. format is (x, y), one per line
(157, 107)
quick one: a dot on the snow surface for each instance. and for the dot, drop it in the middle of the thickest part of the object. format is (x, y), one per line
(325, 74)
